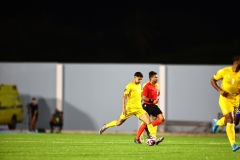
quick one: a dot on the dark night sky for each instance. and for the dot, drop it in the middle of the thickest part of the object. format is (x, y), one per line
(179, 32)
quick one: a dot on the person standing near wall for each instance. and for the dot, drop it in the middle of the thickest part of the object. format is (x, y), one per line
(34, 114)
(228, 99)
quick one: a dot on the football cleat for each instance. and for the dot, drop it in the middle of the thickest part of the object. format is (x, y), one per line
(137, 141)
(235, 147)
(215, 126)
(102, 129)
(159, 140)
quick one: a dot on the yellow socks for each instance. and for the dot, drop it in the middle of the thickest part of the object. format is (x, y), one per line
(221, 122)
(153, 130)
(111, 124)
(230, 133)
(150, 126)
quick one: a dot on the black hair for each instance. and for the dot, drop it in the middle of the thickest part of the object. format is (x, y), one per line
(138, 74)
(236, 58)
(33, 98)
(152, 73)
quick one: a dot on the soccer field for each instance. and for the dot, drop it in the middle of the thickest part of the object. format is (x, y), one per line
(113, 147)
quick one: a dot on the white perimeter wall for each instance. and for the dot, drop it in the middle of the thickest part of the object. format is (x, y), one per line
(92, 93)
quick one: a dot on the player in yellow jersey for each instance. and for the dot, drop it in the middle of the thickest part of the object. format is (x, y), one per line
(228, 99)
(131, 104)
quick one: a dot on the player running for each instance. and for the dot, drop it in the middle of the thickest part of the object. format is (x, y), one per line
(131, 103)
(228, 99)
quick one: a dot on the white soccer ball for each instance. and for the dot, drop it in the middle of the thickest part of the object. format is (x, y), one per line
(150, 141)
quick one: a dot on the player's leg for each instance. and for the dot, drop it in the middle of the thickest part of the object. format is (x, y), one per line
(160, 119)
(34, 123)
(229, 111)
(157, 118)
(113, 123)
(144, 117)
(141, 114)
(230, 129)
(147, 124)
(218, 123)
(147, 108)
(153, 129)
(142, 135)
(224, 105)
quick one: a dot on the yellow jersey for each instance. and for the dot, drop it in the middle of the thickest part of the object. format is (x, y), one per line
(230, 80)
(134, 95)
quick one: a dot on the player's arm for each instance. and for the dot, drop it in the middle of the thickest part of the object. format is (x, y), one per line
(124, 101)
(145, 98)
(219, 89)
(158, 89)
(158, 92)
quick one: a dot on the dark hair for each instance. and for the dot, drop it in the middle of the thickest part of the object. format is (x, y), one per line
(236, 58)
(152, 73)
(138, 74)
(33, 98)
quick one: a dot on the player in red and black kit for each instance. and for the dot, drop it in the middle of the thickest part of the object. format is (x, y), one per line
(150, 105)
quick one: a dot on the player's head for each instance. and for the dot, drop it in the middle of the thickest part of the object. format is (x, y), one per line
(138, 77)
(34, 100)
(151, 74)
(138, 74)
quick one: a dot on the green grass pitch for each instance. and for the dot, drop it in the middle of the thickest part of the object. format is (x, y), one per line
(68, 146)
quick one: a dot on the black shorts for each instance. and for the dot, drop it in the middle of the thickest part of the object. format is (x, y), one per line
(152, 109)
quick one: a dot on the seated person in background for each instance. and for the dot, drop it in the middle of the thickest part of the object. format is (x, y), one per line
(56, 120)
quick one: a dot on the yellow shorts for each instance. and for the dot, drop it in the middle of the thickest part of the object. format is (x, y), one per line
(228, 105)
(138, 112)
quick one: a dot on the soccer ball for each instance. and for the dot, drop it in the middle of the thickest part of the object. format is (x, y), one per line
(150, 141)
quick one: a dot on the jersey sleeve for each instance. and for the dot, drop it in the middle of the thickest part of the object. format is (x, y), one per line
(127, 89)
(219, 74)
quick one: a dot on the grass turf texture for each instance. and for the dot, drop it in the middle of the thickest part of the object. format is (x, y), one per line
(113, 147)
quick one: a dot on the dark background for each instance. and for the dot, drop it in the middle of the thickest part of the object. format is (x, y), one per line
(172, 32)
